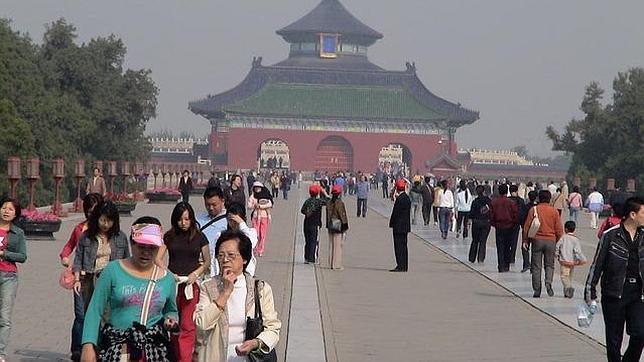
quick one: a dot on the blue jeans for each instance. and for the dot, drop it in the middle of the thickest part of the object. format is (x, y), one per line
(573, 214)
(444, 214)
(77, 327)
(8, 288)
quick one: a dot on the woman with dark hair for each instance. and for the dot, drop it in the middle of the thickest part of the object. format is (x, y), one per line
(228, 300)
(261, 202)
(544, 241)
(446, 208)
(141, 298)
(13, 250)
(185, 185)
(185, 245)
(102, 242)
(575, 203)
(463, 206)
(236, 214)
(336, 215)
(89, 202)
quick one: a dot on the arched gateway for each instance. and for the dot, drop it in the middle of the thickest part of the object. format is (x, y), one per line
(334, 153)
(333, 106)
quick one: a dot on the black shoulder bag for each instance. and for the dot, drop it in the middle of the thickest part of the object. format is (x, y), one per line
(255, 326)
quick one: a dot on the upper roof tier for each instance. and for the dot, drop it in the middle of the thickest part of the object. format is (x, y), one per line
(330, 16)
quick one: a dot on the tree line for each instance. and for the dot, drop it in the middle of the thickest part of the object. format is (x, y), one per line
(72, 100)
(609, 140)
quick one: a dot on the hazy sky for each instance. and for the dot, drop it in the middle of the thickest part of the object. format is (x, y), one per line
(522, 64)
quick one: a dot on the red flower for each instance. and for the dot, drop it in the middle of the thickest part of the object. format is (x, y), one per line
(39, 216)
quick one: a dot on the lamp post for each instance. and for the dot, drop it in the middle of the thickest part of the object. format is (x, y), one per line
(125, 173)
(79, 174)
(177, 174)
(111, 174)
(164, 171)
(33, 174)
(155, 172)
(13, 174)
(59, 174)
(138, 170)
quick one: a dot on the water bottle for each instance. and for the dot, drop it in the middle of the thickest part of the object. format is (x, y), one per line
(585, 314)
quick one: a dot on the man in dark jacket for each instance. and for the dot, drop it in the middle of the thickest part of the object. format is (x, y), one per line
(428, 199)
(235, 193)
(400, 223)
(185, 185)
(620, 266)
(480, 216)
(504, 217)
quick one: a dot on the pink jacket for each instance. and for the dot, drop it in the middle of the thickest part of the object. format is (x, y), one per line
(260, 209)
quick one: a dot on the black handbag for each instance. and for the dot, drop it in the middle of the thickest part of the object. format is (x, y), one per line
(255, 326)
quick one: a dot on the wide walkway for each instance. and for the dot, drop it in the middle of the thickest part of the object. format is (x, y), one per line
(439, 311)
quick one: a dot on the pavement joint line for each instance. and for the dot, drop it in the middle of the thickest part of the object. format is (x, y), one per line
(306, 307)
(552, 317)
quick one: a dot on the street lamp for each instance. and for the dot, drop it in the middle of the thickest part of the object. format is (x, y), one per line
(59, 174)
(33, 174)
(13, 174)
(79, 174)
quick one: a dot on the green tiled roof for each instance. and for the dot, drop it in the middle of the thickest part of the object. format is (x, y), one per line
(314, 100)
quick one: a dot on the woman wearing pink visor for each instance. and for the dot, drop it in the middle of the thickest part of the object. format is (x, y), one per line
(142, 304)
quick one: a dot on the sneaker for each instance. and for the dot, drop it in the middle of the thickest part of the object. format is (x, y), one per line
(537, 294)
(458, 235)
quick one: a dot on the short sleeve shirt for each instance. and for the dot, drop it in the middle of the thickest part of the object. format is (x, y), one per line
(184, 252)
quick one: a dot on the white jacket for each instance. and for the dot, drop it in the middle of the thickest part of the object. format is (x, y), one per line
(462, 204)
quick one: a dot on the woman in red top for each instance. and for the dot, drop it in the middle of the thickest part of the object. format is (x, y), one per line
(185, 244)
(13, 250)
(89, 202)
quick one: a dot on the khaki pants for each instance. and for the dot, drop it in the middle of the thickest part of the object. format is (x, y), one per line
(566, 276)
(335, 250)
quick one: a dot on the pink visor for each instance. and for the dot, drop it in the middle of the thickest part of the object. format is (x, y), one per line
(147, 234)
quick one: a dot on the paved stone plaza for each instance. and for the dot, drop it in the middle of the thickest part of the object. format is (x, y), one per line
(441, 310)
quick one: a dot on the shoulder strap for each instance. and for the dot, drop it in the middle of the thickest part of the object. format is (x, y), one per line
(258, 306)
(148, 296)
(212, 222)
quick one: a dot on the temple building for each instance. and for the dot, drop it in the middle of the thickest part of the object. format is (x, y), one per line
(329, 108)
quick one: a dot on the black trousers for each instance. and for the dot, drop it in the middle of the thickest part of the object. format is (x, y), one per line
(513, 244)
(362, 208)
(310, 242)
(385, 192)
(400, 250)
(427, 212)
(480, 232)
(276, 192)
(503, 239)
(462, 219)
(628, 310)
(185, 196)
(435, 213)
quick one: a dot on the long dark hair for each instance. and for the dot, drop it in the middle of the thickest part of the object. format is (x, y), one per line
(109, 210)
(177, 213)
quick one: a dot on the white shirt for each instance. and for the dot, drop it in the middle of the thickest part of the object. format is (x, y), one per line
(461, 203)
(236, 307)
(212, 233)
(447, 199)
(252, 235)
(595, 198)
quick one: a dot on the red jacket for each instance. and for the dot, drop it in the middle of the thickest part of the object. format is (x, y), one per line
(73, 240)
(504, 213)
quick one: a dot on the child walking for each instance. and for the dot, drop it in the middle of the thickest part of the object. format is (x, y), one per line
(568, 252)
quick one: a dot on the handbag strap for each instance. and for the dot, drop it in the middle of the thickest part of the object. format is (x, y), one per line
(212, 222)
(258, 306)
(148, 296)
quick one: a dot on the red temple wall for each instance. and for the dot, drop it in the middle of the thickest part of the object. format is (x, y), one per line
(243, 145)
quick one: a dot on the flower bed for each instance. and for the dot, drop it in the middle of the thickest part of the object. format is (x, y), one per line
(39, 225)
(162, 195)
(124, 203)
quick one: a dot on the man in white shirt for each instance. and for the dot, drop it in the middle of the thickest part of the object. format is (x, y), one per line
(214, 222)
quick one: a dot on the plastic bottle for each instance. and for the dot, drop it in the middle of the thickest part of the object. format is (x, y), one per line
(585, 314)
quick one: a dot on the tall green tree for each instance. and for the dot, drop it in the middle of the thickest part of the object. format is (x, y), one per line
(609, 140)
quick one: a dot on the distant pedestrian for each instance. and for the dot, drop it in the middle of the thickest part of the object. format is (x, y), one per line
(385, 186)
(463, 206)
(558, 201)
(480, 216)
(618, 264)
(362, 194)
(337, 224)
(399, 222)
(428, 199)
(574, 203)
(522, 209)
(185, 185)
(595, 203)
(544, 241)
(235, 193)
(446, 208)
(13, 249)
(504, 218)
(275, 185)
(569, 254)
(523, 216)
(285, 184)
(261, 202)
(97, 184)
(438, 193)
(312, 211)
(416, 197)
